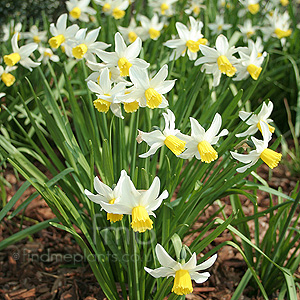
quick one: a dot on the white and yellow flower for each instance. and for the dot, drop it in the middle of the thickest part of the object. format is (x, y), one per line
(10, 29)
(247, 29)
(107, 195)
(21, 55)
(163, 7)
(149, 91)
(189, 39)
(34, 35)
(218, 61)
(270, 157)
(218, 26)
(255, 119)
(169, 137)
(152, 27)
(183, 272)
(116, 8)
(251, 6)
(124, 57)
(46, 55)
(132, 32)
(199, 144)
(194, 7)
(62, 35)
(85, 45)
(138, 204)
(108, 97)
(7, 78)
(80, 10)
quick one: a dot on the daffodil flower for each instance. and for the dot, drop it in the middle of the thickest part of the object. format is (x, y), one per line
(61, 33)
(194, 7)
(138, 204)
(116, 8)
(249, 5)
(107, 97)
(124, 57)
(149, 91)
(270, 157)
(21, 55)
(183, 273)
(163, 7)
(132, 32)
(46, 55)
(254, 120)
(10, 29)
(34, 35)
(7, 78)
(169, 137)
(189, 39)
(85, 44)
(247, 29)
(152, 27)
(107, 195)
(80, 10)
(218, 26)
(218, 61)
(199, 144)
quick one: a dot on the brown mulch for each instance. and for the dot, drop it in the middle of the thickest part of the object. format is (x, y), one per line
(50, 264)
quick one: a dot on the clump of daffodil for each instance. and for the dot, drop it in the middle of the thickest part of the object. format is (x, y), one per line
(21, 55)
(183, 272)
(62, 34)
(189, 39)
(254, 120)
(80, 10)
(199, 144)
(169, 137)
(149, 91)
(107, 195)
(124, 57)
(138, 204)
(115, 8)
(218, 61)
(7, 78)
(270, 157)
(152, 27)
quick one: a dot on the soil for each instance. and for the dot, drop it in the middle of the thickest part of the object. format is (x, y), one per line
(38, 268)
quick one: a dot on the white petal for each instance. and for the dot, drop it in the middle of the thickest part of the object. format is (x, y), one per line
(92, 35)
(26, 50)
(120, 45)
(222, 44)
(95, 198)
(160, 76)
(191, 264)
(160, 272)
(104, 81)
(214, 128)
(154, 205)
(197, 131)
(199, 277)
(139, 77)
(207, 264)
(116, 208)
(102, 188)
(152, 149)
(164, 258)
(133, 49)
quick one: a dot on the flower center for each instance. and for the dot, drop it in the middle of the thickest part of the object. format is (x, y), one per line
(102, 105)
(56, 41)
(182, 283)
(175, 144)
(79, 51)
(36, 39)
(75, 12)
(254, 71)
(282, 33)
(284, 2)
(124, 66)
(113, 217)
(132, 36)
(8, 79)
(118, 13)
(140, 219)
(193, 46)
(271, 128)
(131, 107)
(270, 157)
(12, 59)
(249, 33)
(154, 99)
(106, 7)
(163, 8)
(207, 152)
(49, 54)
(154, 34)
(225, 66)
(220, 27)
(196, 10)
(253, 8)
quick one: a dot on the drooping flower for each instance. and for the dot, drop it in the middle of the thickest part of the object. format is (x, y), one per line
(149, 91)
(199, 144)
(183, 272)
(218, 26)
(138, 204)
(108, 97)
(152, 27)
(116, 8)
(85, 45)
(34, 35)
(169, 137)
(21, 55)
(7, 78)
(124, 57)
(189, 39)
(107, 195)
(80, 10)
(218, 61)
(270, 157)
(62, 34)
(254, 120)
(132, 32)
